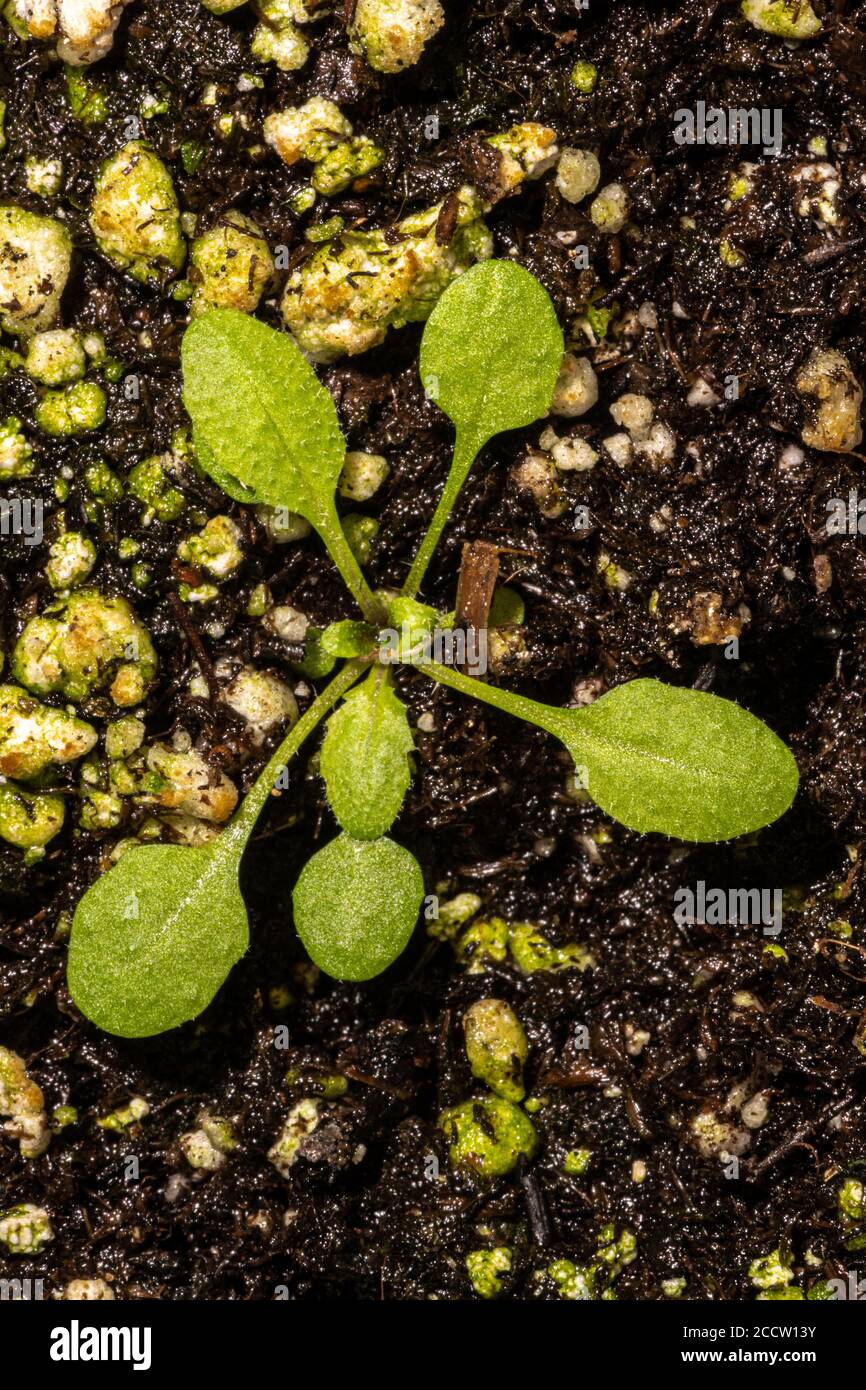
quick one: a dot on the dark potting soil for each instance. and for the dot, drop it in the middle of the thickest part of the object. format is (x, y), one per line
(373, 1208)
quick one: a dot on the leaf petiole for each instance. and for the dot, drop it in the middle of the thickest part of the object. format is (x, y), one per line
(490, 357)
(466, 450)
(341, 553)
(544, 716)
(663, 758)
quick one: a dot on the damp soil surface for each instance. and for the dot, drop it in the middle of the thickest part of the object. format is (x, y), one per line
(680, 1018)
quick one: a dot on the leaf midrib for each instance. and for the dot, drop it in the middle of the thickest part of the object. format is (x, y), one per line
(625, 747)
(219, 858)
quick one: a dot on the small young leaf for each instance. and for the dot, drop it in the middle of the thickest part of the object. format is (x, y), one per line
(153, 940)
(507, 608)
(317, 661)
(347, 638)
(661, 758)
(413, 624)
(365, 757)
(356, 905)
(490, 358)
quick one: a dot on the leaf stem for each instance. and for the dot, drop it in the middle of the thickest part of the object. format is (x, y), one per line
(245, 819)
(466, 450)
(341, 553)
(544, 716)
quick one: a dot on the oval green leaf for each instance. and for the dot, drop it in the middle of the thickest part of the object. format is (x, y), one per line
(264, 424)
(365, 757)
(347, 638)
(680, 762)
(492, 351)
(490, 357)
(148, 950)
(356, 905)
(659, 758)
(265, 429)
(507, 608)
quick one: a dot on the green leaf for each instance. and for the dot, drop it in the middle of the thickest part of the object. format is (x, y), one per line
(659, 758)
(492, 351)
(356, 905)
(416, 617)
(410, 626)
(261, 418)
(680, 761)
(265, 429)
(317, 662)
(365, 757)
(490, 357)
(153, 940)
(507, 608)
(347, 638)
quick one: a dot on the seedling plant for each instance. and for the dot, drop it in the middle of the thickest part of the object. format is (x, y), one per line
(154, 939)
